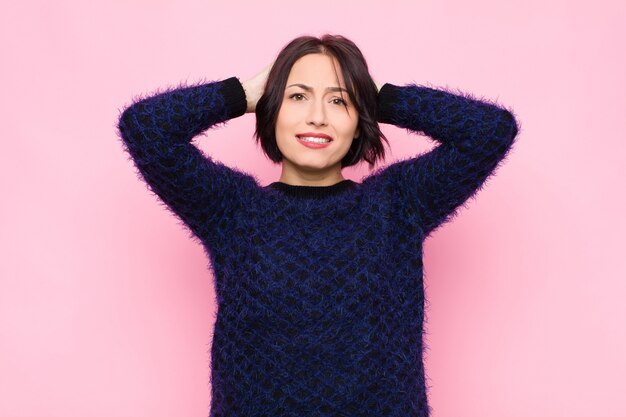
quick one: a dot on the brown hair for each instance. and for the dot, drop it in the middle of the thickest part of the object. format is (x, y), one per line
(361, 88)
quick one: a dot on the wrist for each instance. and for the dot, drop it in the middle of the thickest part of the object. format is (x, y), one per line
(247, 88)
(234, 96)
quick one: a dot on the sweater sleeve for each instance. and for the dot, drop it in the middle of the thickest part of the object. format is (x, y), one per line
(474, 137)
(157, 131)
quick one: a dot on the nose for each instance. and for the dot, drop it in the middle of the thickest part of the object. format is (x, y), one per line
(317, 113)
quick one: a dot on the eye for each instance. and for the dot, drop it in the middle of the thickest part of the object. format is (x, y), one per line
(294, 95)
(340, 100)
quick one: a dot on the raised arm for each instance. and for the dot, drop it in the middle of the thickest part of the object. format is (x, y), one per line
(157, 131)
(474, 135)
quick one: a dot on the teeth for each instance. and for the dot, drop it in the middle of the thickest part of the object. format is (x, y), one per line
(311, 139)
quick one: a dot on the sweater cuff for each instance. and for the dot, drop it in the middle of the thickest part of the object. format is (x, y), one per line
(387, 96)
(234, 97)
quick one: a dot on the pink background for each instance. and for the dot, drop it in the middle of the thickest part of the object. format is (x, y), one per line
(106, 304)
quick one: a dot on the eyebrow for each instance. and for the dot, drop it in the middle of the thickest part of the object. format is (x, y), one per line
(308, 88)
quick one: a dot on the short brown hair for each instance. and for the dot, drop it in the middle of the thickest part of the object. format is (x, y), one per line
(361, 88)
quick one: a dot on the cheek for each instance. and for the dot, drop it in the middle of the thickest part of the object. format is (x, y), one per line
(283, 131)
(348, 126)
(288, 122)
(285, 118)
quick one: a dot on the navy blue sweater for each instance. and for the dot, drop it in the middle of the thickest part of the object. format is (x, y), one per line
(319, 289)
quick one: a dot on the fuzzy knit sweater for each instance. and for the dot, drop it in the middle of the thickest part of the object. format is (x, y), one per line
(319, 288)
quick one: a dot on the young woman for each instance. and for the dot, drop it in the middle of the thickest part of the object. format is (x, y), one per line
(318, 278)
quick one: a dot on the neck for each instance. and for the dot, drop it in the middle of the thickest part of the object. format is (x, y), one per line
(316, 179)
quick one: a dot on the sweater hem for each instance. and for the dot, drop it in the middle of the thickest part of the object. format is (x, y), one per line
(388, 95)
(234, 97)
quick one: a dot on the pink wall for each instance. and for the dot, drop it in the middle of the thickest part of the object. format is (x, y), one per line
(106, 304)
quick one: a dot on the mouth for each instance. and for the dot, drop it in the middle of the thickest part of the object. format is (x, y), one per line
(314, 138)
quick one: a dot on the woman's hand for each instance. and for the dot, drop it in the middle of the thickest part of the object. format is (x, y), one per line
(254, 88)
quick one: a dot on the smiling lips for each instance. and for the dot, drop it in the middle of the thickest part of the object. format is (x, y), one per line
(314, 144)
(314, 135)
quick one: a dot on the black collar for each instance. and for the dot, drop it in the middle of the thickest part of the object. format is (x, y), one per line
(313, 191)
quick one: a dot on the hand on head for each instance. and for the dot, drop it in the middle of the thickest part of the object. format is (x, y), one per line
(254, 88)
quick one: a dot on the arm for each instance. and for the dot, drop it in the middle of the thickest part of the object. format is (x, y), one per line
(157, 131)
(474, 135)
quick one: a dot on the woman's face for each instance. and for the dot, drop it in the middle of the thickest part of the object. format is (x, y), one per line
(313, 105)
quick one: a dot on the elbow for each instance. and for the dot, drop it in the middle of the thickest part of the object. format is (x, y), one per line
(127, 126)
(132, 116)
(124, 121)
(124, 118)
(507, 127)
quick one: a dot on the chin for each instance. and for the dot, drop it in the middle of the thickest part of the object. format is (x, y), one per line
(311, 164)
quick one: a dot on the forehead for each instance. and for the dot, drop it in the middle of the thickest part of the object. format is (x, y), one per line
(317, 70)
